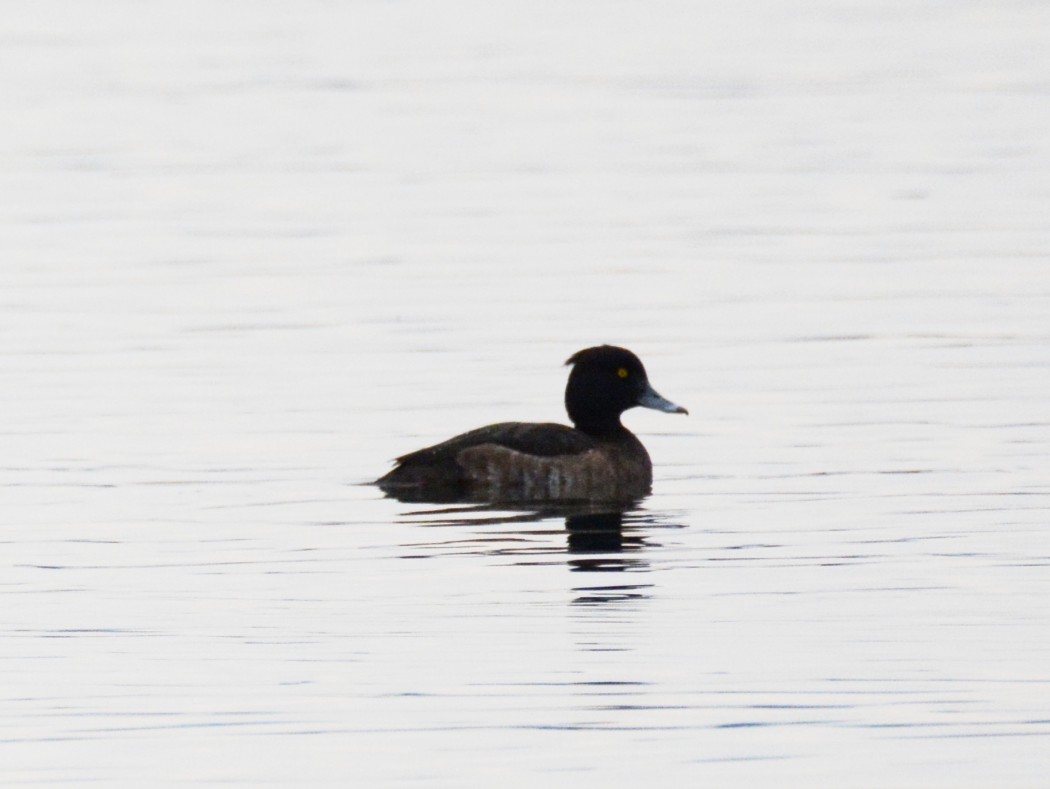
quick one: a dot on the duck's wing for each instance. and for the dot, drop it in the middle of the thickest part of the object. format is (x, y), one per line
(540, 439)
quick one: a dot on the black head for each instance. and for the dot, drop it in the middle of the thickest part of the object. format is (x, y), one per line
(605, 381)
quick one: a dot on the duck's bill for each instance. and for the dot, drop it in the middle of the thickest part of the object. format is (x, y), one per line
(651, 399)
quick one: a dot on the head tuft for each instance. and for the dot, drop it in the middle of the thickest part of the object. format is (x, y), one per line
(598, 354)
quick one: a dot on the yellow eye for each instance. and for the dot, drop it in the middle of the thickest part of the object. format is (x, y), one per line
(622, 372)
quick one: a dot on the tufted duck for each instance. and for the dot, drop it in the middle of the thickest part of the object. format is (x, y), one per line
(598, 459)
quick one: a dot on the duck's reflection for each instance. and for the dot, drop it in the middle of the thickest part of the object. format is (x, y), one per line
(587, 537)
(597, 541)
(595, 532)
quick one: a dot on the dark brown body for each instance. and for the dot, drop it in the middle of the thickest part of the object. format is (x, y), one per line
(518, 461)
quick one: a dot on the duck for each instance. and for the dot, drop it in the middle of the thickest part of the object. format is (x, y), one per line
(597, 459)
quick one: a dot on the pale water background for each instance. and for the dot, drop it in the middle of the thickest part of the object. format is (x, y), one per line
(253, 250)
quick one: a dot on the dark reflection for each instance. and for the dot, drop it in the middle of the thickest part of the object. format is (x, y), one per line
(595, 532)
(602, 534)
(588, 537)
(596, 595)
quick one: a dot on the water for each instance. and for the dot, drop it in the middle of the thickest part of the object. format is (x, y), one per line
(251, 252)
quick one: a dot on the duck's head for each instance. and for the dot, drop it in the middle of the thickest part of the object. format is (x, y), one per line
(605, 381)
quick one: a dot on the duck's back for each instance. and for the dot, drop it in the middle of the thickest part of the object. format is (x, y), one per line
(523, 461)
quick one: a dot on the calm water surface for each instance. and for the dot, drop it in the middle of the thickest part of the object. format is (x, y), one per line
(252, 252)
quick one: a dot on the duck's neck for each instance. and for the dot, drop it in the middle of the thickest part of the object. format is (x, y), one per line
(606, 429)
(593, 409)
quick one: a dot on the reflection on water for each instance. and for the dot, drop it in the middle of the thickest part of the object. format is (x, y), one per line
(595, 539)
(601, 530)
